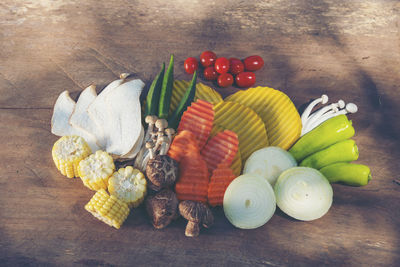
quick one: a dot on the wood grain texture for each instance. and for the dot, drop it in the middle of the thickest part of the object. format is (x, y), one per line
(349, 50)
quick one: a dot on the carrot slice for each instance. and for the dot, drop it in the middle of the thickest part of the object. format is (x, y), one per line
(198, 118)
(222, 176)
(184, 143)
(221, 149)
(193, 178)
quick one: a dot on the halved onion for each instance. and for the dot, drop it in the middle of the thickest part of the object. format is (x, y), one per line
(303, 193)
(249, 201)
(269, 162)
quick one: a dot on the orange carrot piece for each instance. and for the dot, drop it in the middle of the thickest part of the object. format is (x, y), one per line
(193, 178)
(221, 149)
(222, 176)
(183, 143)
(198, 118)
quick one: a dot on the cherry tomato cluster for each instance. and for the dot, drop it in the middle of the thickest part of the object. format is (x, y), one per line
(223, 69)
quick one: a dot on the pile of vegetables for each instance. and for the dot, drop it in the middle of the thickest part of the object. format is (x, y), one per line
(249, 152)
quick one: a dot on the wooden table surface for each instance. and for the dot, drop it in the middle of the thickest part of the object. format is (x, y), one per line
(347, 49)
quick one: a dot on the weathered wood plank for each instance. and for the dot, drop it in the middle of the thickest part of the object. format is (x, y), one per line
(347, 49)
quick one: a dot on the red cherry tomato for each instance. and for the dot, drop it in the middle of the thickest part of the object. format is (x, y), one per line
(222, 65)
(245, 79)
(207, 58)
(236, 66)
(253, 63)
(210, 74)
(225, 80)
(191, 65)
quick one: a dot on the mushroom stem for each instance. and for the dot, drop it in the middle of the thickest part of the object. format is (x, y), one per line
(192, 229)
(323, 99)
(160, 140)
(151, 121)
(170, 132)
(164, 147)
(350, 108)
(150, 146)
(316, 115)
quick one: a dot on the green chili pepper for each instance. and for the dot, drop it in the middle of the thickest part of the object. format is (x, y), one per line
(334, 130)
(153, 96)
(186, 100)
(166, 90)
(344, 151)
(347, 173)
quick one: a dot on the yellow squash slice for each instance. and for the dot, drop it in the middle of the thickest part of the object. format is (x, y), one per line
(68, 152)
(244, 122)
(282, 121)
(203, 92)
(236, 165)
(129, 185)
(108, 209)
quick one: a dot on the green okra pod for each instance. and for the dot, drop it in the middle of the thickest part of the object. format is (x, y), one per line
(166, 90)
(347, 173)
(334, 130)
(344, 151)
(186, 100)
(153, 96)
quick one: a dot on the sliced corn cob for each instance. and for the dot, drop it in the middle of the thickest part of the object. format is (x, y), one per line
(67, 152)
(96, 169)
(129, 185)
(108, 209)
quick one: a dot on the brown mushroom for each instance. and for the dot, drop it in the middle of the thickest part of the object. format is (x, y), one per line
(162, 208)
(161, 171)
(150, 147)
(196, 213)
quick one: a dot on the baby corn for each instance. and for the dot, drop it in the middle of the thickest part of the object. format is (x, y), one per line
(68, 152)
(129, 185)
(108, 209)
(96, 169)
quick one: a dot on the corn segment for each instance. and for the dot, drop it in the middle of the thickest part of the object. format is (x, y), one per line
(96, 169)
(67, 153)
(108, 209)
(129, 185)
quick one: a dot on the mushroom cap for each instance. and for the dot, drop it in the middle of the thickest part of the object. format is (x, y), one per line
(161, 123)
(162, 208)
(161, 171)
(196, 212)
(170, 131)
(150, 119)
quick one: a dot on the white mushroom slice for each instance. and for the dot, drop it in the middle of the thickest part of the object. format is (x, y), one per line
(60, 126)
(136, 148)
(80, 117)
(125, 112)
(99, 113)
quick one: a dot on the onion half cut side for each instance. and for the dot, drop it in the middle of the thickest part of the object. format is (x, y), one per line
(303, 193)
(249, 201)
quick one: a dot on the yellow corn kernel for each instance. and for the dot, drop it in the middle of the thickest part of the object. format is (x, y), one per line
(96, 169)
(129, 185)
(67, 152)
(108, 209)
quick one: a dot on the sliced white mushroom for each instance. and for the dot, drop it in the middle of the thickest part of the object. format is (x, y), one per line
(60, 126)
(80, 117)
(99, 113)
(125, 110)
(136, 148)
